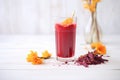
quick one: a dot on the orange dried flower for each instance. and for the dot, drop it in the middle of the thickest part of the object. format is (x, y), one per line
(46, 54)
(33, 57)
(99, 48)
(91, 4)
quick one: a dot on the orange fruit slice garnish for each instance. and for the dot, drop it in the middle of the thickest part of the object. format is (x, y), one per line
(67, 21)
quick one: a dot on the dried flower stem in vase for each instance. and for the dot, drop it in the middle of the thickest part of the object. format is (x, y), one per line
(92, 31)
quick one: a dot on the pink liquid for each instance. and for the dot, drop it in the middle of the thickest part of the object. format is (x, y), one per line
(65, 40)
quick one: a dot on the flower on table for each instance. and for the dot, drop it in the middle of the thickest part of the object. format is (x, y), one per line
(33, 58)
(99, 48)
(46, 54)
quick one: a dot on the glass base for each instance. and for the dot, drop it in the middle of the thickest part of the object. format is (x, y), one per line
(70, 59)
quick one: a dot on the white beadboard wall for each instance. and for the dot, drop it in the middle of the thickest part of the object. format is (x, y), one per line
(37, 16)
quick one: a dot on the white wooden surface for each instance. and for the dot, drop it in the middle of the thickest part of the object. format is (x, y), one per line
(13, 65)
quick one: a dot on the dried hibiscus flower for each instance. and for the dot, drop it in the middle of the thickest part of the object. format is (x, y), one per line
(90, 59)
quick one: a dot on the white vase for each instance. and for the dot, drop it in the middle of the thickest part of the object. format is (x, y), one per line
(92, 31)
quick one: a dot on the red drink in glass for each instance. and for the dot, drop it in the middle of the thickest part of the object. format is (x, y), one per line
(65, 41)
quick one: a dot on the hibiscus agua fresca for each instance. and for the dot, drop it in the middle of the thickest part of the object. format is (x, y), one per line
(65, 33)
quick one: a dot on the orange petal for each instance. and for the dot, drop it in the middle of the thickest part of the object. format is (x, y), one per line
(96, 44)
(37, 61)
(101, 50)
(46, 54)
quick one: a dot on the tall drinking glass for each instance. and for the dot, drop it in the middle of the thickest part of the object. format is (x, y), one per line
(65, 36)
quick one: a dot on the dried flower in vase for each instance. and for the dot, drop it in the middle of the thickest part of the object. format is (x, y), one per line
(92, 31)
